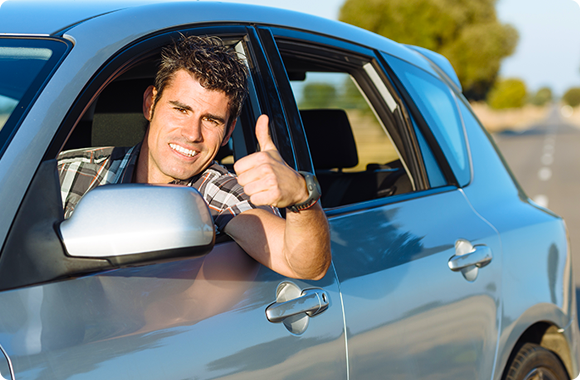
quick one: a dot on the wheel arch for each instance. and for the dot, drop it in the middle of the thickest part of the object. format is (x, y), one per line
(547, 335)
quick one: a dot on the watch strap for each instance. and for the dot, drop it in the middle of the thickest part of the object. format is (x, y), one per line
(314, 193)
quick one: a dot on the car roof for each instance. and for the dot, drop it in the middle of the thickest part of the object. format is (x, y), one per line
(60, 16)
(49, 17)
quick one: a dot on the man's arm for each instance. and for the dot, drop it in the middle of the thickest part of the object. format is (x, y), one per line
(297, 247)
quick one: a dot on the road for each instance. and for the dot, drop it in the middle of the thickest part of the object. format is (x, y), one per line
(545, 159)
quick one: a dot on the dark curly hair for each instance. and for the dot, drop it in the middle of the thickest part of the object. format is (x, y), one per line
(216, 67)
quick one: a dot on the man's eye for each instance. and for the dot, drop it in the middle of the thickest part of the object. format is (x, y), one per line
(211, 121)
(181, 110)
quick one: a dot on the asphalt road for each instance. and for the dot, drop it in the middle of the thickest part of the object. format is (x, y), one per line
(545, 159)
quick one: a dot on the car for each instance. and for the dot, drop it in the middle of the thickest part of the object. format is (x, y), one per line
(442, 267)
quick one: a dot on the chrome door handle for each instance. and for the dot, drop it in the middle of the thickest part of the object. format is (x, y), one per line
(311, 302)
(469, 258)
(479, 257)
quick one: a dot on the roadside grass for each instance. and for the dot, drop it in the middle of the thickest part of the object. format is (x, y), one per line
(509, 119)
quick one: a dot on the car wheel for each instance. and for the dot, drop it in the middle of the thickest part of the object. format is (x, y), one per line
(533, 362)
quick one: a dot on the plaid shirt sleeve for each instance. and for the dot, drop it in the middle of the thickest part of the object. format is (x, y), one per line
(224, 195)
(81, 170)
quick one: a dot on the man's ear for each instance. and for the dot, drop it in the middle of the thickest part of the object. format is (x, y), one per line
(229, 134)
(148, 101)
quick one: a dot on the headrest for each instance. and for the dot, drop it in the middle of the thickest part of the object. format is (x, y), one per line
(330, 138)
(118, 118)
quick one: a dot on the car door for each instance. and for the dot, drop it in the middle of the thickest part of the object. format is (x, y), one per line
(197, 318)
(405, 240)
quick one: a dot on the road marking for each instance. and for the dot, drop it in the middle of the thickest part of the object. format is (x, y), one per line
(541, 200)
(547, 159)
(545, 174)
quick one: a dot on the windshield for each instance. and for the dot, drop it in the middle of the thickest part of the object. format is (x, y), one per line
(25, 64)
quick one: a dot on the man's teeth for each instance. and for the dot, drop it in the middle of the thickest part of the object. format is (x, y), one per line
(182, 150)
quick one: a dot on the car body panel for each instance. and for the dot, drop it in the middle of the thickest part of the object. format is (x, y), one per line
(405, 309)
(547, 279)
(196, 318)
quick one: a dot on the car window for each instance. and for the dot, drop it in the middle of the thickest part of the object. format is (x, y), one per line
(115, 116)
(24, 66)
(439, 108)
(340, 91)
(349, 117)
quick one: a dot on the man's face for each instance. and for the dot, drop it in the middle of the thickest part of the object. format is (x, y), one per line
(186, 130)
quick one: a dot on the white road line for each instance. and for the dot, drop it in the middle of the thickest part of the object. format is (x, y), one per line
(547, 159)
(541, 200)
(545, 174)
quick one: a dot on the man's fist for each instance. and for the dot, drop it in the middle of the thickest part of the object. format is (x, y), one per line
(265, 176)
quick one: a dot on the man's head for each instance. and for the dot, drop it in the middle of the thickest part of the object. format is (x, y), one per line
(192, 109)
(216, 67)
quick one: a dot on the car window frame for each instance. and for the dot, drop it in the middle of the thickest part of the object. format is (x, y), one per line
(281, 34)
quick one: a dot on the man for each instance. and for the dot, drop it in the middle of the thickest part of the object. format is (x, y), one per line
(192, 109)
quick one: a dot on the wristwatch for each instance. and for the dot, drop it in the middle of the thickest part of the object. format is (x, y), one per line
(313, 193)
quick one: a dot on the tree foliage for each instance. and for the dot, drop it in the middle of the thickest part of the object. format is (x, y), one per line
(572, 97)
(343, 95)
(318, 95)
(507, 93)
(542, 97)
(466, 32)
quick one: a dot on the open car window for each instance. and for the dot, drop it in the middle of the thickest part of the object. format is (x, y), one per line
(115, 116)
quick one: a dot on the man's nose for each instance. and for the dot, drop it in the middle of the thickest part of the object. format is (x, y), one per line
(192, 131)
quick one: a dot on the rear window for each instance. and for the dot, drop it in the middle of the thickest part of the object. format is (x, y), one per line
(439, 109)
(25, 65)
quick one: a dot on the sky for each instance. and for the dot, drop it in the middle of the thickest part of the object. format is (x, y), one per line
(548, 51)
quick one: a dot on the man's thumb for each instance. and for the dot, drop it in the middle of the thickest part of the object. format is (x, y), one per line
(263, 134)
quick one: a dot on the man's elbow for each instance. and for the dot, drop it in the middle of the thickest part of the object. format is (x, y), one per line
(318, 271)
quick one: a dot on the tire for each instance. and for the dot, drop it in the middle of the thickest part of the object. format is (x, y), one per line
(533, 362)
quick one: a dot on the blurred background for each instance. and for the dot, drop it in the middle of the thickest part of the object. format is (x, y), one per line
(519, 65)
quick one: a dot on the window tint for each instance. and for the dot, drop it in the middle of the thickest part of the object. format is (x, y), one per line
(439, 109)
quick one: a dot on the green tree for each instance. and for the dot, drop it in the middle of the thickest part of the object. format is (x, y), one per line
(350, 98)
(507, 93)
(318, 95)
(466, 32)
(542, 96)
(572, 97)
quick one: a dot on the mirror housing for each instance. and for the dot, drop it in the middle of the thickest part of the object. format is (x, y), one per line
(137, 224)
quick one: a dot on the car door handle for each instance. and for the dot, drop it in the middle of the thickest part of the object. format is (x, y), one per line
(311, 302)
(479, 257)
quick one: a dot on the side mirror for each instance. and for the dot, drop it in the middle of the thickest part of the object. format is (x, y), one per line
(137, 224)
(112, 226)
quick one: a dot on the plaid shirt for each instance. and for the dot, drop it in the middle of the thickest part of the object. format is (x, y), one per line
(81, 170)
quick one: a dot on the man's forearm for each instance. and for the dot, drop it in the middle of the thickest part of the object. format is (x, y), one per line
(307, 243)
(298, 247)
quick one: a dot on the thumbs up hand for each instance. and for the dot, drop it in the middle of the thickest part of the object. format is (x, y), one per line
(266, 178)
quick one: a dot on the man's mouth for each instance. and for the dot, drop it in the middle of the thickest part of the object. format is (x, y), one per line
(182, 150)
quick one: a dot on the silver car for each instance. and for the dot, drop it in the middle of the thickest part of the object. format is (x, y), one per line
(442, 267)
